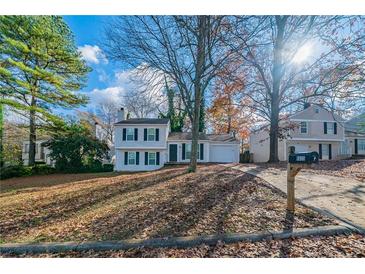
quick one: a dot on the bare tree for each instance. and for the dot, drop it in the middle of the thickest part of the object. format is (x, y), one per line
(108, 112)
(145, 96)
(289, 60)
(188, 49)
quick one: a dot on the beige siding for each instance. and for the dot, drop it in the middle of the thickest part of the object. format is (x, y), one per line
(315, 131)
(260, 147)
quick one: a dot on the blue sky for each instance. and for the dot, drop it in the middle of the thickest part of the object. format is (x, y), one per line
(106, 79)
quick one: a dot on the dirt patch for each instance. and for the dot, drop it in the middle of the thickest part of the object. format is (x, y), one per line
(168, 202)
(312, 247)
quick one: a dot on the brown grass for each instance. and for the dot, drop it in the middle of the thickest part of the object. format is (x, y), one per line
(168, 202)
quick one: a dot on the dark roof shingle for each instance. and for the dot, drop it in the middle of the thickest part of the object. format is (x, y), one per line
(180, 136)
(152, 121)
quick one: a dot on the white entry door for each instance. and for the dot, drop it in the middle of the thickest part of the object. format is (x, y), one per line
(325, 151)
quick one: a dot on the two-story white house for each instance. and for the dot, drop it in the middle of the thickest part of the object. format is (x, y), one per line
(314, 129)
(147, 144)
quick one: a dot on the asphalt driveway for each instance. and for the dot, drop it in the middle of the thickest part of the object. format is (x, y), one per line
(340, 196)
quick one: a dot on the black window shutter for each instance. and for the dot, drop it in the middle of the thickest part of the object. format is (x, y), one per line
(201, 151)
(146, 158)
(330, 151)
(157, 134)
(136, 134)
(325, 127)
(356, 147)
(126, 157)
(145, 134)
(157, 158)
(137, 158)
(320, 151)
(183, 151)
(335, 128)
(124, 134)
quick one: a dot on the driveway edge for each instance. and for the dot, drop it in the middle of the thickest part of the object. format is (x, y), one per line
(343, 222)
(177, 242)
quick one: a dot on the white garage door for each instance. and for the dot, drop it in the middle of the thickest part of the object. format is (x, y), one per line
(223, 153)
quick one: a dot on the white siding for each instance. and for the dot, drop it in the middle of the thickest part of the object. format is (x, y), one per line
(140, 143)
(179, 151)
(120, 166)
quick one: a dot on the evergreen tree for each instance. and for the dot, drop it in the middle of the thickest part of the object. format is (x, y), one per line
(42, 70)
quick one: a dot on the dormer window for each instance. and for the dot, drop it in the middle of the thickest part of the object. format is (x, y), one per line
(316, 110)
(303, 127)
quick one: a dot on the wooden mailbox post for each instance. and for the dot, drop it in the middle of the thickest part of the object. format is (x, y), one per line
(296, 162)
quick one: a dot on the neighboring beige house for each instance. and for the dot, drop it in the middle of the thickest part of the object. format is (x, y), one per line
(355, 135)
(315, 129)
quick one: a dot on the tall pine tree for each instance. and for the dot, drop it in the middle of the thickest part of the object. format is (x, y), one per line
(41, 70)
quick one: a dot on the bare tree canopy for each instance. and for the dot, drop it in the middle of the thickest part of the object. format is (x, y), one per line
(188, 49)
(289, 60)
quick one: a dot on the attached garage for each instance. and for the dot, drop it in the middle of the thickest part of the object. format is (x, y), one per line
(224, 153)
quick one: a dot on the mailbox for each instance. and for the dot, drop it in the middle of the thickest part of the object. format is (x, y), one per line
(304, 158)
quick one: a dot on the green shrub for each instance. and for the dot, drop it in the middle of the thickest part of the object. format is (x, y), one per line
(108, 167)
(15, 171)
(20, 171)
(43, 169)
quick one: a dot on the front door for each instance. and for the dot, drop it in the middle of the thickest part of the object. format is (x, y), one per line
(173, 152)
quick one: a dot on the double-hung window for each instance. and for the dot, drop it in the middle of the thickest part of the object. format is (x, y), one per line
(361, 144)
(188, 151)
(151, 134)
(303, 127)
(130, 134)
(131, 158)
(152, 158)
(330, 128)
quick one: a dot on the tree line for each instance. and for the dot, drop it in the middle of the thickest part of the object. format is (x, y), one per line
(227, 71)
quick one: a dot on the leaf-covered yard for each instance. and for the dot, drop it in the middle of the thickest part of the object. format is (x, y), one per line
(168, 202)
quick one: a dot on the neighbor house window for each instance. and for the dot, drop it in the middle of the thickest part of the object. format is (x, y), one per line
(26, 148)
(131, 158)
(303, 127)
(130, 134)
(152, 158)
(151, 134)
(330, 128)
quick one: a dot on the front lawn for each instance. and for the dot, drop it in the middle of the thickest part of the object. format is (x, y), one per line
(168, 202)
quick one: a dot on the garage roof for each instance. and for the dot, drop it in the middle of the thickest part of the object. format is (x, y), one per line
(181, 136)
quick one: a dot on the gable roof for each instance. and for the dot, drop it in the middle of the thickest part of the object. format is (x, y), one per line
(182, 136)
(356, 124)
(144, 121)
(311, 114)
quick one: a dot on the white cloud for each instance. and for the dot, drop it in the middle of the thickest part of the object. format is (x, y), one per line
(93, 54)
(110, 94)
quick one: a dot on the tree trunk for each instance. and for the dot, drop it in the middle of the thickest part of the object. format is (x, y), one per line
(277, 74)
(197, 91)
(32, 133)
(1, 135)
